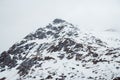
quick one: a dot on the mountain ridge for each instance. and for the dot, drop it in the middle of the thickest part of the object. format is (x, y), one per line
(60, 51)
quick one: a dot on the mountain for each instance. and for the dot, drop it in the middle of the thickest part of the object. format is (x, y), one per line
(61, 51)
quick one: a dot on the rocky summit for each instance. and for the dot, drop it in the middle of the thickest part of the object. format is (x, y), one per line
(61, 51)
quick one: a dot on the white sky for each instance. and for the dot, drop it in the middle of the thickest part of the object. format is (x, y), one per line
(20, 17)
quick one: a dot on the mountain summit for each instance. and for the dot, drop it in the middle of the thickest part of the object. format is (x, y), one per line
(60, 51)
(58, 21)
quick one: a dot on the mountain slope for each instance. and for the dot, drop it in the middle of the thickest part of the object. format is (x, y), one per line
(60, 51)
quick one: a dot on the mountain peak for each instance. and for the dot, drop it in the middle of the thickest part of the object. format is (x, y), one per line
(60, 51)
(57, 21)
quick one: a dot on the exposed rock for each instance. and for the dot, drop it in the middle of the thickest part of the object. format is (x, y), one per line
(117, 78)
(56, 21)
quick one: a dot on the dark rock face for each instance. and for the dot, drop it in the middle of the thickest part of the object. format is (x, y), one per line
(49, 77)
(40, 34)
(6, 60)
(61, 56)
(95, 55)
(62, 45)
(50, 33)
(25, 66)
(16, 52)
(118, 78)
(3, 78)
(78, 46)
(48, 58)
(78, 57)
(56, 21)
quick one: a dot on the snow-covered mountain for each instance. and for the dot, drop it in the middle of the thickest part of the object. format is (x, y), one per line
(61, 51)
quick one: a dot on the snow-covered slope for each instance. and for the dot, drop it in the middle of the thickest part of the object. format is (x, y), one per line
(61, 51)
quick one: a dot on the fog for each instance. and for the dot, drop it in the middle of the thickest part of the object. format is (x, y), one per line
(20, 17)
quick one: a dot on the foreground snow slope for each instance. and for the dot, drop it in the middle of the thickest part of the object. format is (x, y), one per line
(61, 51)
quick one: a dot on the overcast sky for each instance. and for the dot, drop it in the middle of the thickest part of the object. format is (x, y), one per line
(20, 17)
